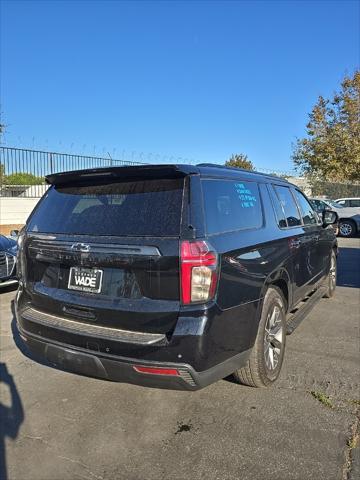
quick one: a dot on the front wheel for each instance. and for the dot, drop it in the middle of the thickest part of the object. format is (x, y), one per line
(267, 355)
(347, 228)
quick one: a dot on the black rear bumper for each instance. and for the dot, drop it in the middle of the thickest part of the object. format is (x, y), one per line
(121, 369)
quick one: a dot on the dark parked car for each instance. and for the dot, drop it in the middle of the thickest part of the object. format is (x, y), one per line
(8, 248)
(171, 275)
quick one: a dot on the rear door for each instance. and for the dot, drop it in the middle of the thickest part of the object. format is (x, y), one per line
(301, 242)
(319, 253)
(108, 252)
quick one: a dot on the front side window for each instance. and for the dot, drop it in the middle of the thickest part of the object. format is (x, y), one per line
(308, 215)
(289, 206)
(231, 205)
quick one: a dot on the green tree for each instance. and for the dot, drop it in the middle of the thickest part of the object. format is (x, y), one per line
(22, 179)
(331, 148)
(2, 173)
(240, 160)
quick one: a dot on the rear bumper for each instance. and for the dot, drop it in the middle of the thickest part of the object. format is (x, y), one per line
(121, 369)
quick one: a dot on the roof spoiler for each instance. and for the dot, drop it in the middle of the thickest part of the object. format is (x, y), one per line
(121, 173)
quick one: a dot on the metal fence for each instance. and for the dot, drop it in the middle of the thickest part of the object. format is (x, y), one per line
(23, 171)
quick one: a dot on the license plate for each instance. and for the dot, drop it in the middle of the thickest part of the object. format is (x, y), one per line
(85, 279)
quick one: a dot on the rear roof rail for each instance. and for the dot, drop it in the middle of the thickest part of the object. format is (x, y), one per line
(238, 169)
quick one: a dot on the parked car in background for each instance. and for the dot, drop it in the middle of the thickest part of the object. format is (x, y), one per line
(8, 249)
(349, 217)
(171, 275)
(320, 206)
(353, 202)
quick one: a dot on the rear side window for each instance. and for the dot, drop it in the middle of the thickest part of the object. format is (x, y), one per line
(231, 205)
(137, 208)
(289, 206)
(355, 203)
(308, 215)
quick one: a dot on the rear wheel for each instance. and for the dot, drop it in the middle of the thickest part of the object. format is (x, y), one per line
(266, 358)
(347, 228)
(331, 278)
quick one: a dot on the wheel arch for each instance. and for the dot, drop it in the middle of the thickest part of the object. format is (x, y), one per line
(280, 279)
(346, 219)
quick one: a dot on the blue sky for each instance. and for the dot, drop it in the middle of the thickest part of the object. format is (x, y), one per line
(196, 80)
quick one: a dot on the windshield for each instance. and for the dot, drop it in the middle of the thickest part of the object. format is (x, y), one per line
(334, 204)
(136, 208)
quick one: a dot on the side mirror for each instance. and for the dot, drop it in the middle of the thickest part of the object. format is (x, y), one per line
(329, 217)
(14, 233)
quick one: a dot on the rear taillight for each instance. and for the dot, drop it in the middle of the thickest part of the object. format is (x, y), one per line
(20, 267)
(198, 271)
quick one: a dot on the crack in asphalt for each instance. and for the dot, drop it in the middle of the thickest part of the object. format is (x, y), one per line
(72, 460)
(353, 436)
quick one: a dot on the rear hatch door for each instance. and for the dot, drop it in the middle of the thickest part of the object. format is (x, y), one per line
(107, 251)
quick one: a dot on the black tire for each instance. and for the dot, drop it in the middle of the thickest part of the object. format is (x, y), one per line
(332, 275)
(347, 228)
(256, 372)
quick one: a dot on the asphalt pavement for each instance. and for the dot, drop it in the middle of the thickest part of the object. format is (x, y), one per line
(56, 425)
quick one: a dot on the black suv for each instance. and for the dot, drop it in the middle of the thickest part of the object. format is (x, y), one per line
(171, 275)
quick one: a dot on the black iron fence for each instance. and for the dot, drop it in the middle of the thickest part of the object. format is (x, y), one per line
(22, 171)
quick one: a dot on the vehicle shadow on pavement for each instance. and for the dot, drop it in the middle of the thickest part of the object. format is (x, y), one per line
(348, 268)
(11, 417)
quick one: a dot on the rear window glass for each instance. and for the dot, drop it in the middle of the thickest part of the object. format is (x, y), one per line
(231, 205)
(289, 206)
(149, 207)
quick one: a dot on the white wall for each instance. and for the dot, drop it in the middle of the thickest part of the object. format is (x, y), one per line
(302, 183)
(15, 210)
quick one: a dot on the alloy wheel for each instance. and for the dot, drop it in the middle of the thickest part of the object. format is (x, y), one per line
(273, 338)
(346, 229)
(332, 272)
